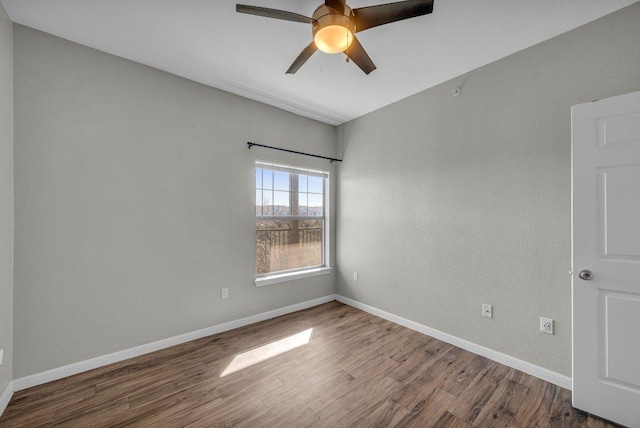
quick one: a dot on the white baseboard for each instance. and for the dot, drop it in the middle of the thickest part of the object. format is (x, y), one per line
(93, 363)
(5, 397)
(507, 360)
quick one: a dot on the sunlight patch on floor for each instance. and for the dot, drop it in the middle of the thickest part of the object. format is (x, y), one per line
(265, 352)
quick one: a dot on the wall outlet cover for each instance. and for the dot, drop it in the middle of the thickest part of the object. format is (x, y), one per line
(224, 293)
(1, 355)
(546, 325)
(487, 310)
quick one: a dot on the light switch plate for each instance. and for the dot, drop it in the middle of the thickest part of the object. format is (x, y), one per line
(487, 310)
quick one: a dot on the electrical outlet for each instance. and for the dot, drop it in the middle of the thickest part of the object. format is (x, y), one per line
(355, 277)
(487, 310)
(1, 355)
(546, 325)
(224, 293)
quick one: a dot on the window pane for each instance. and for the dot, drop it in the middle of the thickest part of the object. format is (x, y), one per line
(315, 204)
(281, 180)
(258, 202)
(315, 184)
(281, 203)
(288, 245)
(267, 179)
(302, 183)
(302, 204)
(267, 202)
(258, 178)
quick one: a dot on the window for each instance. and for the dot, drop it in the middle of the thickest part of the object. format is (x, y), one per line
(290, 219)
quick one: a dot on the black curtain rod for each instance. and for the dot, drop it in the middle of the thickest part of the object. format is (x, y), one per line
(332, 160)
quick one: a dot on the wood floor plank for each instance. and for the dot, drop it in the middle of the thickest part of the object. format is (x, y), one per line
(428, 409)
(387, 413)
(41, 417)
(310, 389)
(179, 389)
(473, 399)
(158, 412)
(428, 365)
(447, 420)
(100, 412)
(64, 397)
(285, 417)
(356, 370)
(228, 414)
(317, 366)
(502, 406)
(355, 403)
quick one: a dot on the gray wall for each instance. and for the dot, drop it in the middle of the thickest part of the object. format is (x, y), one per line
(135, 203)
(134, 200)
(6, 197)
(445, 203)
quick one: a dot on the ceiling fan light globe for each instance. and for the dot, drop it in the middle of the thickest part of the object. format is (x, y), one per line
(333, 39)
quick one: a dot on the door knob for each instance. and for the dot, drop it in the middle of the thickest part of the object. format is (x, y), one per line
(586, 275)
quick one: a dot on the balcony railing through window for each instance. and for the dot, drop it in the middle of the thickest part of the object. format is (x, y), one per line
(278, 250)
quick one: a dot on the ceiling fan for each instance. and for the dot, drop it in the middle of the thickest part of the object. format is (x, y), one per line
(334, 24)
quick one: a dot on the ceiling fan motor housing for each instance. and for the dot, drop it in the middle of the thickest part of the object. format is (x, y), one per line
(325, 16)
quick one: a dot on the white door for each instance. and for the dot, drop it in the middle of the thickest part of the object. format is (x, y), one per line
(606, 247)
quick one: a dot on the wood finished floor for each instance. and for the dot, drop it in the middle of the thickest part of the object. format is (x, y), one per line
(357, 370)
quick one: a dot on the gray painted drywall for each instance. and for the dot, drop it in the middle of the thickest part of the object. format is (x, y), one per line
(445, 203)
(6, 198)
(135, 203)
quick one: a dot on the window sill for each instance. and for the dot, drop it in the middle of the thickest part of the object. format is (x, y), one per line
(291, 276)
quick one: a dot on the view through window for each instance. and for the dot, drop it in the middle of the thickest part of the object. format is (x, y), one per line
(290, 218)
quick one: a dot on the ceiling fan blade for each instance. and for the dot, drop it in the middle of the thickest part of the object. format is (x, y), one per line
(302, 58)
(372, 16)
(272, 13)
(357, 54)
(336, 4)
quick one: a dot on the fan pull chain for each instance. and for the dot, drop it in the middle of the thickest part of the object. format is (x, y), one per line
(347, 60)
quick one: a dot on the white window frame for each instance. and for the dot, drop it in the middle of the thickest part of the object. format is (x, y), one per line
(325, 268)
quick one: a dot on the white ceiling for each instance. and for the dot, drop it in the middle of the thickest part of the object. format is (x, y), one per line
(208, 42)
